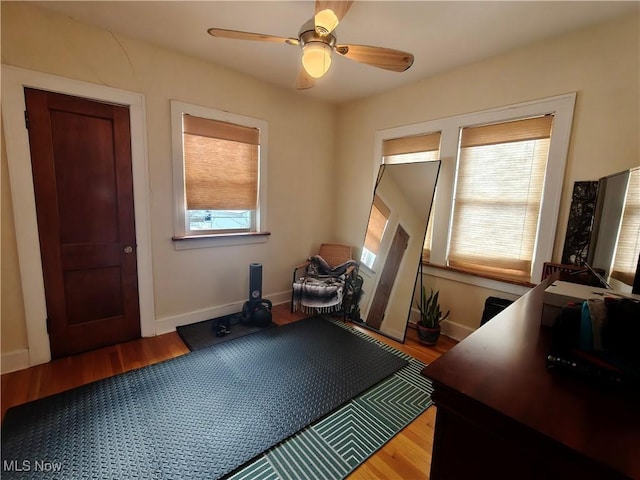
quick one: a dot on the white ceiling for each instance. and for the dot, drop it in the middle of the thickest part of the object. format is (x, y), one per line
(442, 35)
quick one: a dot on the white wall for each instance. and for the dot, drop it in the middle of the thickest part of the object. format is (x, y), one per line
(600, 63)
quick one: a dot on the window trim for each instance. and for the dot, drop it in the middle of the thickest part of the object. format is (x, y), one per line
(184, 240)
(560, 106)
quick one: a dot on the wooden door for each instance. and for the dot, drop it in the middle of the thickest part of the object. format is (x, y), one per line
(387, 278)
(81, 162)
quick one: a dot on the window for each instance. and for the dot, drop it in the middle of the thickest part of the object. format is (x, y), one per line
(498, 195)
(219, 165)
(628, 245)
(378, 219)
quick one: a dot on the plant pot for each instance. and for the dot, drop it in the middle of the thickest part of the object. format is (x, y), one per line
(428, 336)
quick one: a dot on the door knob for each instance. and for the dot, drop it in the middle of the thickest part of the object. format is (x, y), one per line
(128, 249)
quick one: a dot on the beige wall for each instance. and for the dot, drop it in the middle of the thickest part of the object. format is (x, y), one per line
(600, 63)
(300, 163)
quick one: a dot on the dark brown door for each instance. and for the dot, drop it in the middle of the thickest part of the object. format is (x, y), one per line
(387, 278)
(81, 161)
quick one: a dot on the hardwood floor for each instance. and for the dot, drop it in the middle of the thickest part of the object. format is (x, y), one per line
(406, 456)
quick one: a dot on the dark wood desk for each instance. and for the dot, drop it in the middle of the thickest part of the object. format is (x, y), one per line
(501, 415)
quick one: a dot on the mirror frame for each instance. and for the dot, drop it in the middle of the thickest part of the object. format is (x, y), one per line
(396, 296)
(607, 217)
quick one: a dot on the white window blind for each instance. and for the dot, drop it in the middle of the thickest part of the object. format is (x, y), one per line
(220, 164)
(501, 171)
(628, 246)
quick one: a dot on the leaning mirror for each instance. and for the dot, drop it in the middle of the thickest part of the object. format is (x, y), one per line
(615, 243)
(393, 244)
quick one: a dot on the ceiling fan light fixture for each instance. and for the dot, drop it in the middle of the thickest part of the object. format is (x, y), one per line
(316, 58)
(317, 41)
(326, 21)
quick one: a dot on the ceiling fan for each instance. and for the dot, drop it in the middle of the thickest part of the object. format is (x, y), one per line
(317, 40)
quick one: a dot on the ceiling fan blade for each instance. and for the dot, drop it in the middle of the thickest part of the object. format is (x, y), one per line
(329, 13)
(238, 35)
(387, 58)
(304, 80)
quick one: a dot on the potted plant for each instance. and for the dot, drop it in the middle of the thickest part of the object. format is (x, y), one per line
(430, 317)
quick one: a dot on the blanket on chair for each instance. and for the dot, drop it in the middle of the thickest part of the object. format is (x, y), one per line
(322, 289)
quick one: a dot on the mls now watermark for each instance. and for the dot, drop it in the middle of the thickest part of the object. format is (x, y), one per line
(31, 466)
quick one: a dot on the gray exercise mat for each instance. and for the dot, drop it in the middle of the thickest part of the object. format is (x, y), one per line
(201, 415)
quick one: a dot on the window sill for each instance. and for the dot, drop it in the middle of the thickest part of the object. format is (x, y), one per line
(505, 285)
(219, 240)
(365, 268)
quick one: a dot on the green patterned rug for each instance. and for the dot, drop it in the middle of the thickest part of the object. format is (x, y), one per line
(337, 444)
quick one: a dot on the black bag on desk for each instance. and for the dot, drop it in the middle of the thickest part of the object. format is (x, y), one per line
(598, 340)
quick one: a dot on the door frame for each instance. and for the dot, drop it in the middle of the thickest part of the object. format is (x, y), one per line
(14, 80)
(399, 226)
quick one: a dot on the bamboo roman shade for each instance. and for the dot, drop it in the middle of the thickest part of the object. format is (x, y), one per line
(221, 164)
(377, 223)
(501, 172)
(429, 142)
(628, 247)
(518, 131)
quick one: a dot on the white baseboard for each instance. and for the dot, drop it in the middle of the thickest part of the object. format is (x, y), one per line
(13, 361)
(169, 324)
(457, 331)
(19, 359)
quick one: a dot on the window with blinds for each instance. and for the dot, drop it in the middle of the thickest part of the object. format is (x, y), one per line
(220, 175)
(416, 148)
(498, 193)
(628, 246)
(378, 219)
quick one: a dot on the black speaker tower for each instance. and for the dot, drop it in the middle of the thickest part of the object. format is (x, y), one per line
(257, 310)
(255, 282)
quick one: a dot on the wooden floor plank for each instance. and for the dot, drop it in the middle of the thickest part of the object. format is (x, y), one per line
(405, 456)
